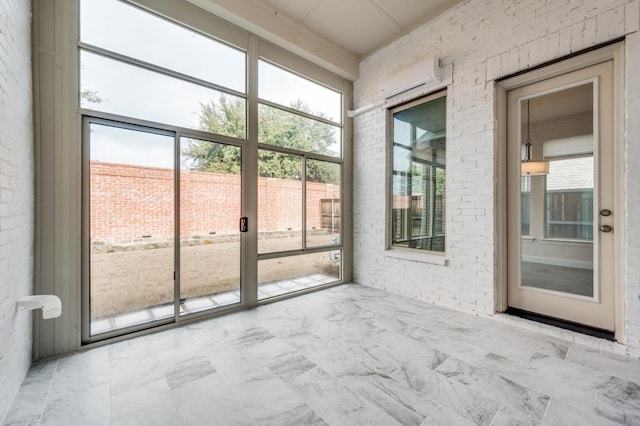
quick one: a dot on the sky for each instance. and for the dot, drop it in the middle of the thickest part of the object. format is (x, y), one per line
(132, 91)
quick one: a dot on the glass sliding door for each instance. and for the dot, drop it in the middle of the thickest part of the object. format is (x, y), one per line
(131, 202)
(210, 208)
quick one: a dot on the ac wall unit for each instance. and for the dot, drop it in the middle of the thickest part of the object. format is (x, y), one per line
(422, 73)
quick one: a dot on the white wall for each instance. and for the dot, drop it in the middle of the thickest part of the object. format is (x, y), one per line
(480, 41)
(16, 195)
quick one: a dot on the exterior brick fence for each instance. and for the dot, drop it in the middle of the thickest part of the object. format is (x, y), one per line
(130, 203)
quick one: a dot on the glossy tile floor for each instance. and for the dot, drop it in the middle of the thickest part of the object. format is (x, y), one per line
(349, 355)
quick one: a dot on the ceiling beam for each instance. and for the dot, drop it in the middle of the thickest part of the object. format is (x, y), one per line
(274, 26)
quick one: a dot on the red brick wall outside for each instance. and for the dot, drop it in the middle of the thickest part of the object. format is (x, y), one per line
(132, 202)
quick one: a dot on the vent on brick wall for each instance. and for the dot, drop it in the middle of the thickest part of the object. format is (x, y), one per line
(422, 73)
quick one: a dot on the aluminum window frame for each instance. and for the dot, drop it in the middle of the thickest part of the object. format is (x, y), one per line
(428, 256)
(255, 50)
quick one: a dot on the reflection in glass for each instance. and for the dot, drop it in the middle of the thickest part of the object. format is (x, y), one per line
(323, 203)
(123, 89)
(149, 38)
(290, 90)
(210, 206)
(569, 191)
(419, 153)
(131, 210)
(285, 129)
(557, 209)
(279, 202)
(294, 273)
(525, 188)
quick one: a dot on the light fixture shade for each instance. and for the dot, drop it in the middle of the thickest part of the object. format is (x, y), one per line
(534, 168)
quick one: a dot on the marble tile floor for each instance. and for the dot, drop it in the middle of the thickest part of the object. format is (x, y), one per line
(198, 304)
(349, 355)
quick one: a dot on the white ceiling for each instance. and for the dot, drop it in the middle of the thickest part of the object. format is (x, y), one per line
(362, 26)
(336, 34)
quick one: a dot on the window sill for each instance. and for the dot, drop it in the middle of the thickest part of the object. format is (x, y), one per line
(417, 256)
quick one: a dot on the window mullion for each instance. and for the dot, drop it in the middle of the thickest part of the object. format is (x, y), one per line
(250, 182)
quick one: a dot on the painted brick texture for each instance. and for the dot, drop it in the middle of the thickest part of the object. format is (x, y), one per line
(477, 42)
(130, 202)
(632, 183)
(16, 196)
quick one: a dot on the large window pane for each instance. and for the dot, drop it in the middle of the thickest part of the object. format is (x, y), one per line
(279, 202)
(418, 181)
(290, 90)
(119, 88)
(210, 206)
(131, 204)
(560, 202)
(289, 274)
(128, 30)
(284, 129)
(323, 203)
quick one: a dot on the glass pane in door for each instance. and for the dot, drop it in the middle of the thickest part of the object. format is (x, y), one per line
(131, 210)
(557, 208)
(210, 207)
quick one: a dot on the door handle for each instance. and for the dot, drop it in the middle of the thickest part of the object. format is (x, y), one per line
(606, 228)
(244, 224)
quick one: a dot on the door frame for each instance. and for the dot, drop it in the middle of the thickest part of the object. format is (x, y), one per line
(614, 52)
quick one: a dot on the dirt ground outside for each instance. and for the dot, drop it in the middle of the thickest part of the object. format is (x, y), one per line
(125, 281)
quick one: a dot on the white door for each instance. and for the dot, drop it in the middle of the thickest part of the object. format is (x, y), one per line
(560, 224)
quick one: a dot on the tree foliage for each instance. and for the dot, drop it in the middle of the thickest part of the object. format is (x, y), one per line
(91, 96)
(277, 128)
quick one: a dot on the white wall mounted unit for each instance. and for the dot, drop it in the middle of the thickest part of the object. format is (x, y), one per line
(50, 304)
(421, 73)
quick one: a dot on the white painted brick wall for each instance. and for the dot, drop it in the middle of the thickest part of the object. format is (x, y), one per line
(16, 195)
(482, 40)
(632, 182)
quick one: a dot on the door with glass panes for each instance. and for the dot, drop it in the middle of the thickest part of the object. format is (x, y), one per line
(560, 220)
(163, 232)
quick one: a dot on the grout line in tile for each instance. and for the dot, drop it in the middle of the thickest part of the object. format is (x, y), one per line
(566, 355)
(546, 410)
(46, 399)
(496, 414)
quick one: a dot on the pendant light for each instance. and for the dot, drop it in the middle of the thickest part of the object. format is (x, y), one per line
(528, 166)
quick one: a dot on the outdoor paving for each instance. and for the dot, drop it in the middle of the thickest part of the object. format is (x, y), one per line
(199, 304)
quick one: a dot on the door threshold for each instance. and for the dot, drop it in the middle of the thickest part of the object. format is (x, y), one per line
(560, 323)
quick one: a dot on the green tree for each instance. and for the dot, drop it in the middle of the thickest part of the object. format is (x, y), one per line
(277, 128)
